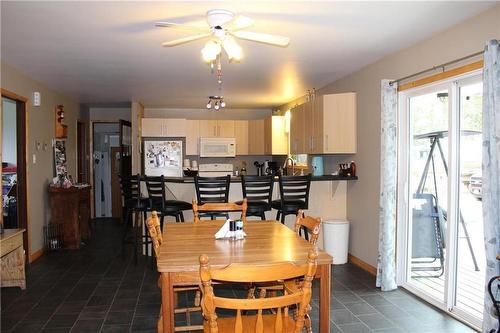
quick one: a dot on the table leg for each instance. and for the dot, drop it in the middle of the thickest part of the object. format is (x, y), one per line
(324, 298)
(167, 304)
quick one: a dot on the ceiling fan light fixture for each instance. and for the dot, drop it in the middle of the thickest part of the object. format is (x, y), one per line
(211, 50)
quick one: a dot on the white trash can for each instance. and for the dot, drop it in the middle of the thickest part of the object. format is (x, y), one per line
(336, 239)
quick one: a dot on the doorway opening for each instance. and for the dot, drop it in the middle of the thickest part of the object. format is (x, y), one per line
(106, 167)
(14, 189)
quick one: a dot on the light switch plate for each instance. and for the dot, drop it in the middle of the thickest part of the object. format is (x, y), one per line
(37, 98)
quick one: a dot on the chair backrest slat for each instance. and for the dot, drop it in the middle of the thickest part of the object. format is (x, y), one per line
(130, 187)
(301, 296)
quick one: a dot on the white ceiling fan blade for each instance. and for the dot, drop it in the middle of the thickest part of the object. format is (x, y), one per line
(240, 22)
(199, 26)
(179, 41)
(262, 38)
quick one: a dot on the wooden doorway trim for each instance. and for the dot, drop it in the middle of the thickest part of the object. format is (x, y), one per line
(82, 148)
(22, 160)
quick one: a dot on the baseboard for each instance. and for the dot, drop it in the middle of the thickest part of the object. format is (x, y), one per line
(35, 255)
(361, 264)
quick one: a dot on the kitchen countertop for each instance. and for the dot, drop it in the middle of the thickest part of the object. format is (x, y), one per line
(238, 179)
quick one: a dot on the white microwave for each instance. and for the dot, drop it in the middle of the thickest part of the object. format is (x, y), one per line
(217, 147)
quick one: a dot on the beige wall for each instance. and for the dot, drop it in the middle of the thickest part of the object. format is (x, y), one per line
(41, 128)
(363, 195)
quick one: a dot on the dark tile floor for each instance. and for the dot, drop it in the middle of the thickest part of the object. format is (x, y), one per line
(96, 289)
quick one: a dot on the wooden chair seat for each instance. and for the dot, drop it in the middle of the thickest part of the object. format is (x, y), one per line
(228, 324)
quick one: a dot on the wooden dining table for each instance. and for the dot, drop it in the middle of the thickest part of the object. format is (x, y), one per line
(266, 242)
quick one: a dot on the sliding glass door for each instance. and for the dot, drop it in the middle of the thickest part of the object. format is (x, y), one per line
(441, 250)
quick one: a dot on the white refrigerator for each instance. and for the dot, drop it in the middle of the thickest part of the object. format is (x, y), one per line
(162, 157)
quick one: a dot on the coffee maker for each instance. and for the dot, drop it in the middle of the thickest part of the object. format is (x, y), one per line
(271, 168)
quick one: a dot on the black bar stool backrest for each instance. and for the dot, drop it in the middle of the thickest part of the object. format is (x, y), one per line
(156, 192)
(131, 190)
(295, 188)
(257, 188)
(212, 189)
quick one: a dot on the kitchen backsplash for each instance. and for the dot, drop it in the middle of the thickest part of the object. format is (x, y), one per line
(237, 161)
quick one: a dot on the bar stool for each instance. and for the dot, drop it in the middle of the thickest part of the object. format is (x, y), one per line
(258, 190)
(294, 195)
(158, 200)
(212, 189)
(133, 204)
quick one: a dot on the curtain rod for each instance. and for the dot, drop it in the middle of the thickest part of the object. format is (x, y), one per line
(442, 66)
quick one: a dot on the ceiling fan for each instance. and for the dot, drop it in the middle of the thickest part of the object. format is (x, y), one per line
(222, 27)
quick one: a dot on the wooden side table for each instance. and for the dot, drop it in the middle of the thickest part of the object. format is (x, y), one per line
(70, 207)
(12, 258)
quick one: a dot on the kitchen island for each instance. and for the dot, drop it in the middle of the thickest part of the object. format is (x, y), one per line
(327, 196)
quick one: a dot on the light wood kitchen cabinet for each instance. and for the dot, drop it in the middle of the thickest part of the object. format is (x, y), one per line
(208, 128)
(225, 128)
(326, 125)
(217, 128)
(297, 129)
(256, 137)
(192, 136)
(241, 136)
(163, 127)
(275, 137)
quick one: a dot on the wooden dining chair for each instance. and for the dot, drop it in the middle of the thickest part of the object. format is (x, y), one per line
(311, 226)
(221, 207)
(281, 321)
(154, 229)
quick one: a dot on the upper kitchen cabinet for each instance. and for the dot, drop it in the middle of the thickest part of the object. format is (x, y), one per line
(256, 137)
(297, 130)
(334, 120)
(217, 128)
(163, 127)
(241, 136)
(275, 136)
(325, 125)
(192, 136)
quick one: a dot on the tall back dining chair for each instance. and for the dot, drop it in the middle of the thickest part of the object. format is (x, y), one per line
(219, 207)
(310, 225)
(294, 195)
(133, 204)
(158, 200)
(212, 189)
(154, 231)
(258, 190)
(279, 321)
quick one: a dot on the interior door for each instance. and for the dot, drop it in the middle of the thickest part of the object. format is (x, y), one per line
(125, 148)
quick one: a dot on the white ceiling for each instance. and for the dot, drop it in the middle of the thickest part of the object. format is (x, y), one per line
(105, 52)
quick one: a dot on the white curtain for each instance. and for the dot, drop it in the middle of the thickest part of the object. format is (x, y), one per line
(491, 173)
(386, 265)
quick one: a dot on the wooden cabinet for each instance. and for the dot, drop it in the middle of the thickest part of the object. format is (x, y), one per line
(163, 127)
(256, 137)
(297, 130)
(70, 208)
(241, 136)
(192, 137)
(217, 128)
(326, 125)
(275, 137)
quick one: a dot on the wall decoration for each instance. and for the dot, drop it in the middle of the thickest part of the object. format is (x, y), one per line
(60, 166)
